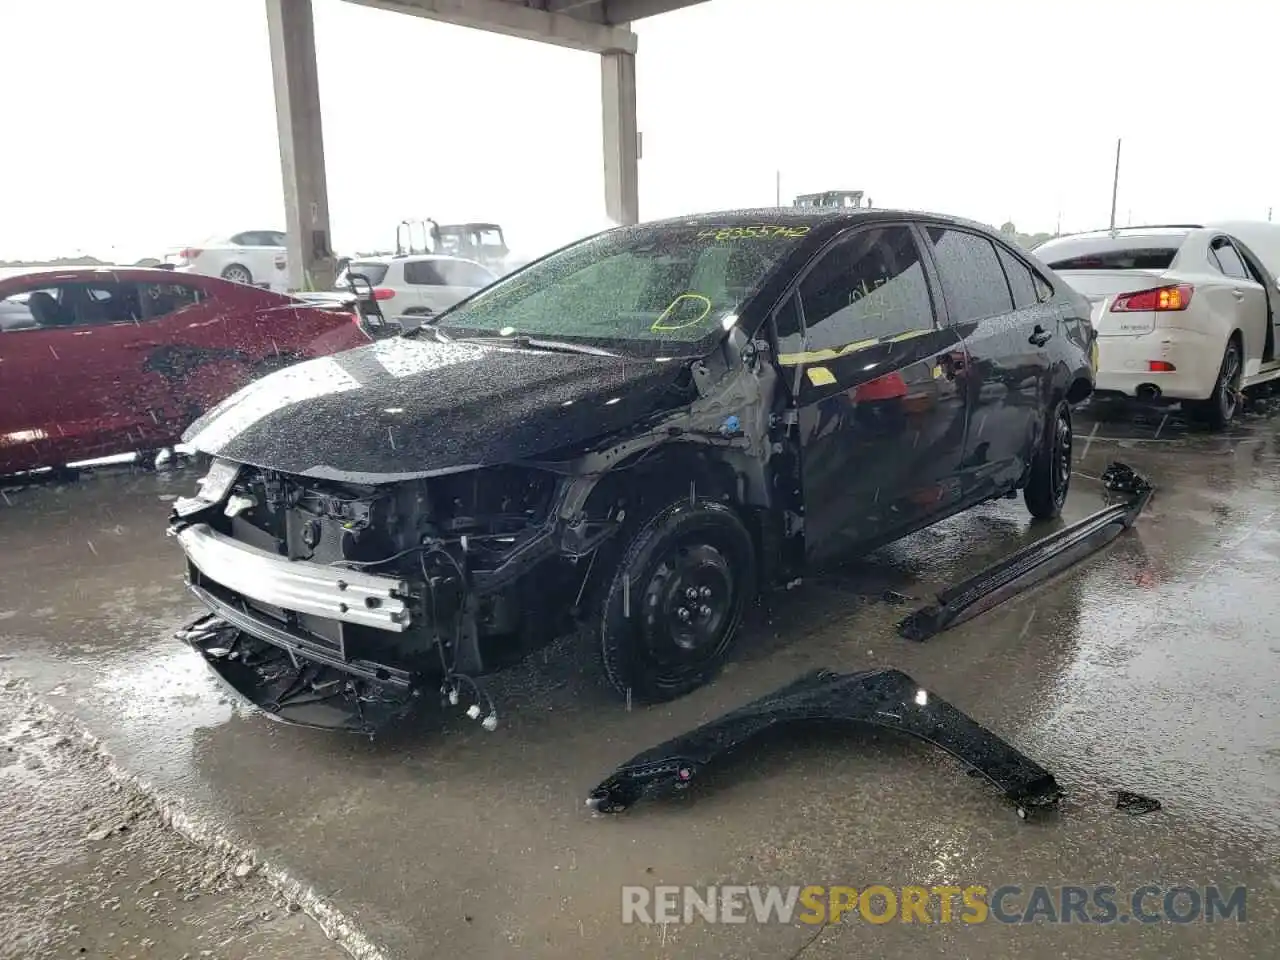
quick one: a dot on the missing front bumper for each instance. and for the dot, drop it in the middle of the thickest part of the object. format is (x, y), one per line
(879, 698)
(299, 690)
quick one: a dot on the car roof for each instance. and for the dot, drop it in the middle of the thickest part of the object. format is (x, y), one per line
(1157, 230)
(79, 274)
(834, 217)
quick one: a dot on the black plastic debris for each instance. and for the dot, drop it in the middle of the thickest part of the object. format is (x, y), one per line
(1036, 562)
(1135, 804)
(294, 690)
(885, 698)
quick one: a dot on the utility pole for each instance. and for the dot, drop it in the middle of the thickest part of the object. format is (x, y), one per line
(778, 188)
(1268, 214)
(1115, 186)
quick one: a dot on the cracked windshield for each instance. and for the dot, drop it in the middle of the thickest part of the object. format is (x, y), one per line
(568, 478)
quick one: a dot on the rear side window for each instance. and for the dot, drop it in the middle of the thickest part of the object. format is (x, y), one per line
(1022, 283)
(871, 284)
(423, 272)
(972, 278)
(1226, 258)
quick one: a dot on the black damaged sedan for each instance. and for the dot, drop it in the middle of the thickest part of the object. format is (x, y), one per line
(635, 435)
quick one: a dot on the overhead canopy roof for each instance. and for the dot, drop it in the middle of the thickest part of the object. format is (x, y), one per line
(599, 26)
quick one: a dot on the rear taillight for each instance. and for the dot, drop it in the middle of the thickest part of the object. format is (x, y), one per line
(1160, 299)
(383, 293)
(190, 253)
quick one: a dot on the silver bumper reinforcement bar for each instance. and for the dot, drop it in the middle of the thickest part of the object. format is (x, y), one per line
(336, 593)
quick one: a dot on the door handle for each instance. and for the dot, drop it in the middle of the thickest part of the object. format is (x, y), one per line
(1238, 294)
(1039, 337)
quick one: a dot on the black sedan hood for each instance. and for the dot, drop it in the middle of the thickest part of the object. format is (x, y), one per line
(407, 407)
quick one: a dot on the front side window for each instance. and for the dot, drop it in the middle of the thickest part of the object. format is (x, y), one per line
(972, 278)
(869, 285)
(162, 299)
(645, 289)
(459, 273)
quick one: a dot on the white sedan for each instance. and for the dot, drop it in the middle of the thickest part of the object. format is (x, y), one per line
(1184, 314)
(254, 257)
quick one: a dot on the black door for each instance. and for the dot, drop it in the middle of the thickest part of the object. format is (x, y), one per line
(881, 418)
(1009, 378)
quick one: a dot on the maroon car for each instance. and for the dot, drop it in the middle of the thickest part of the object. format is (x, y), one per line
(96, 362)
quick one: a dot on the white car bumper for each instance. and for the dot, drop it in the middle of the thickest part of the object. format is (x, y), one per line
(1124, 364)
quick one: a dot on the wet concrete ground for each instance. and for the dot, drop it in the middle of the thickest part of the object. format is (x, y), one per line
(1151, 667)
(89, 869)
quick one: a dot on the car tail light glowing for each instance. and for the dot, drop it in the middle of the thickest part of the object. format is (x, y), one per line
(1160, 299)
(383, 293)
(1160, 366)
(190, 253)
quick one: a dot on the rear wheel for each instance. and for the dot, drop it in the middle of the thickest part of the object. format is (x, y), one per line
(1050, 481)
(237, 273)
(1222, 405)
(676, 601)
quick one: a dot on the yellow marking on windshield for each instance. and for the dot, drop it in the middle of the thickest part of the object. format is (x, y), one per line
(660, 325)
(820, 376)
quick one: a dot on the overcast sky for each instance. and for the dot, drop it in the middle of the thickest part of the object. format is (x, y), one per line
(135, 125)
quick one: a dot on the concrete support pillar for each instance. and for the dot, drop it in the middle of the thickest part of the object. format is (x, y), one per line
(306, 195)
(621, 136)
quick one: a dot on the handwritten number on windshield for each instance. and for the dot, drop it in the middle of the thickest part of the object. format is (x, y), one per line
(761, 232)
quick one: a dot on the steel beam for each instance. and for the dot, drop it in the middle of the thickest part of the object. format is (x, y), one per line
(516, 20)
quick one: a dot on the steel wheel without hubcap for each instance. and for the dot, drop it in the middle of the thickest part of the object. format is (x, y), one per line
(1061, 456)
(676, 601)
(237, 274)
(1050, 478)
(687, 604)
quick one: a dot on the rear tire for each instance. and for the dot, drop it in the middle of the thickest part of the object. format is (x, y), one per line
(676, 601)
(238, 273)
(1050, 481)
(1220, 409)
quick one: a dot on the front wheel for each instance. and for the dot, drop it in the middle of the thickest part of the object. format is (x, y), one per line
(1221, 406)
(676, 601)
(1046, 491)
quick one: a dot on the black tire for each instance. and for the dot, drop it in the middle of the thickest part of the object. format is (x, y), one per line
(238, 273)
(691, 556)
(1222, 405)
(1050, 480)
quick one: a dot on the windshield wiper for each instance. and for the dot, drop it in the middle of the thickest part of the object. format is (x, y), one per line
(535, 343)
